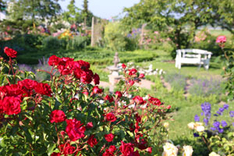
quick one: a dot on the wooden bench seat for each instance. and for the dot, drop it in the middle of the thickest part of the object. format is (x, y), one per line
(192, 56)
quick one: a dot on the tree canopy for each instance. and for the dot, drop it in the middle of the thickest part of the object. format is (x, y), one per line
(179, 19)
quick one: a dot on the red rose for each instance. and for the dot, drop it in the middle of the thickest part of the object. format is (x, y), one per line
(142, 144)
(86, 77)
(92, 141)
(74, 129)
(118, 94)
(89, 125)
(124, 66)
(141, 76)
(54, 60)
(11, 105)
(132, 71)
(139, 100)
(1, 107)
(55, 154)
(131, 82)
(10, 52)
(154, 101)
(67, 149)
(44, 89)
(78, 72)
(106, 153)
(96, 79)
(169, 107)
(112, 149)
(84, 65)
(126, 148)
(28, 84)
(109, 137)
(57, 116)
(109, 98)
(97, 90)
(110, 117)
(138, 118)
(149, 150)
(13, 90)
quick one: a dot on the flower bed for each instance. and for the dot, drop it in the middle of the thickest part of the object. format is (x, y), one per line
(68, 115)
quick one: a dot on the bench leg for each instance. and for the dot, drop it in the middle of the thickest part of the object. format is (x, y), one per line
(206, 66)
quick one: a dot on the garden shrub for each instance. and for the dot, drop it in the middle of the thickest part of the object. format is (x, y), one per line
(77, 42)
(176, 80)
(68, 115)
(51, 42)
(115, 37)
(205, 87)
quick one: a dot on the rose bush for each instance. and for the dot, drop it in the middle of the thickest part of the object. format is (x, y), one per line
(69, 115)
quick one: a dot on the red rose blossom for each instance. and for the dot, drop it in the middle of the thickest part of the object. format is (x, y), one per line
(126, 148)
(132, 71)
(86, 77)
(154, 101)
(11, 105)
(109, 98)
(74, 129)
(96, 79)
(141, 75)
(149, 150)
(131, 82)
(92, 141)
(112, 149)
(67, 149)
(139, 100)
(57, 116)
(124, 66)
(106, 153)
(55, 154)
(97, 90)
(44, 89)
(110, 117)
(28, 84)
(119, 94)
(89, 125)
(10, 52)
(109, 137)
(53, 60)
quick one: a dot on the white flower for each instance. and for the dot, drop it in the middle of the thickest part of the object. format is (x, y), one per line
(213, 154)
(170, 150)
(188, 150)
(166, 124)
(200, 128)
(191, 125)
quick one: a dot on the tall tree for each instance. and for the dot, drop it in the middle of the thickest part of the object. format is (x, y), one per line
(42, 9)
(85, 11)
(73, 15)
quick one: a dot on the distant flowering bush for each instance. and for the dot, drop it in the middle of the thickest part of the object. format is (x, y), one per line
(228, 68)
(205, 87)
(70, 115)
(216, 133)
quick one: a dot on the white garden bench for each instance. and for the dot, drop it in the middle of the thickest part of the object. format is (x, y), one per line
(192, 56)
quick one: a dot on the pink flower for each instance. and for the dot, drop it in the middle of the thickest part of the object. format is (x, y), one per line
(221, 39)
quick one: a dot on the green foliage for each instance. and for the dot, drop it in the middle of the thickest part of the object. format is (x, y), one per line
(229, 74)
(179, 19)
(176, 80)
(51, 42)
(115, 37)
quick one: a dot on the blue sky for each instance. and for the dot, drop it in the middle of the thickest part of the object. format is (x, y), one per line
(103, 8)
